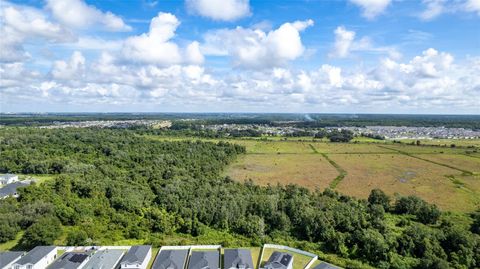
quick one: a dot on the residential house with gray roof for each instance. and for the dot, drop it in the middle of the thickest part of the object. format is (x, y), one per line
(279, 260)
(37, 258)
(171, 259)
(11, 189)
(7, 258)
(105, 259)
(237, 259)
(8, 178)
(204, 260)
(71, 260)
(137, 257)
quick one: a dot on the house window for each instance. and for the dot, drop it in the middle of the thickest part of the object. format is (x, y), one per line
(29, 266)
(17, 267)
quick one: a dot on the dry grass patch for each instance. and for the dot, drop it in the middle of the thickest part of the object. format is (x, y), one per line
(461, 161)
(340, 148)
(308, 170)
(403, 175)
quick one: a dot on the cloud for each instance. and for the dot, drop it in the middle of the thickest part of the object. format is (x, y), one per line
(73, 69)
(220, 10)
(156, 47)
(372, 8)
(251, 48)
(435, 8)
(21, 23)
(345, 43)
(77, 14)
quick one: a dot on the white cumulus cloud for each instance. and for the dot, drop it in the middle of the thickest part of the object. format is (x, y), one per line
(221, 10)
(372, 8)
(258, 49)
(78, 14)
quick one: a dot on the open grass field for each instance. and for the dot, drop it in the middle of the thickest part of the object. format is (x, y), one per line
(405, 175)
(309, 170)
(448, 177)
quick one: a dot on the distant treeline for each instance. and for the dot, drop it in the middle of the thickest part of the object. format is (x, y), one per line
(296, 120)
(114, 185)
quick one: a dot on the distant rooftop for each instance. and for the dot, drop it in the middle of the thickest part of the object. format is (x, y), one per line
(171, 259)
(35, 255)
(136, 254)
(204, 260)
(237, 258)
(104, 259)
(9, 256)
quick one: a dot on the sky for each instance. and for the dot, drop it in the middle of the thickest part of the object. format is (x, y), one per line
(302, 56)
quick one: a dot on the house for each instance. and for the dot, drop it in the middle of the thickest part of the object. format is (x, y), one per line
(11, 189)
(137, 257)
(70, 260)
(324, 265)
(105, 259)
(279, 260)
(237, 259)
(37, 258)
(7, 179)
(7, 258)
(204, 260)
(171, 259)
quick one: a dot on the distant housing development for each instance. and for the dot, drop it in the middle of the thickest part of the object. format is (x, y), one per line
(167, 257)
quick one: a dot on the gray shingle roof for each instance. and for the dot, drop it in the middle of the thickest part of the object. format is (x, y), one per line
(279, 260)
(171, 259)
(11, 188)
(324, 265)
(69, 260)
(35, 255)
(204, 260)
(136, 254)
(9, 256)
(237, 258)
(104, 259)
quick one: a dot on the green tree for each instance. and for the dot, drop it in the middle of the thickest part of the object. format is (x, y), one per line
(43, 232)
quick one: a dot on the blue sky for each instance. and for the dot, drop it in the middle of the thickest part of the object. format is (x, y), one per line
(370, 56)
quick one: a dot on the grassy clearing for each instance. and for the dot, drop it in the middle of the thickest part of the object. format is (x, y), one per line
(10, 245)
(309, 170)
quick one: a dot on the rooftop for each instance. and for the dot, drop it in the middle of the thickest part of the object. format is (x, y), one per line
(204, 260)
(136, 254)
(70, 260)
(237, 258)
(171, 259)
(35, 255)
(11, 188)
(279, 260)
(104, 259)
(9, 256)
(324, 265)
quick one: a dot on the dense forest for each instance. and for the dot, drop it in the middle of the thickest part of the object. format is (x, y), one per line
(111, 185)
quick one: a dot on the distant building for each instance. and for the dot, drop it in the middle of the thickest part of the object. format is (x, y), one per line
(171, 259)
(324, 265)
(70, 260)
(279, 260)
(11, 189)
(204, 260)
(237, 259)
(37, 258)
(105, 259)
(8, 178)
(137, 257)
(9, 257)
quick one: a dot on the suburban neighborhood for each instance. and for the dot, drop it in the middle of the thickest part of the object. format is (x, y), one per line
(167, 257)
